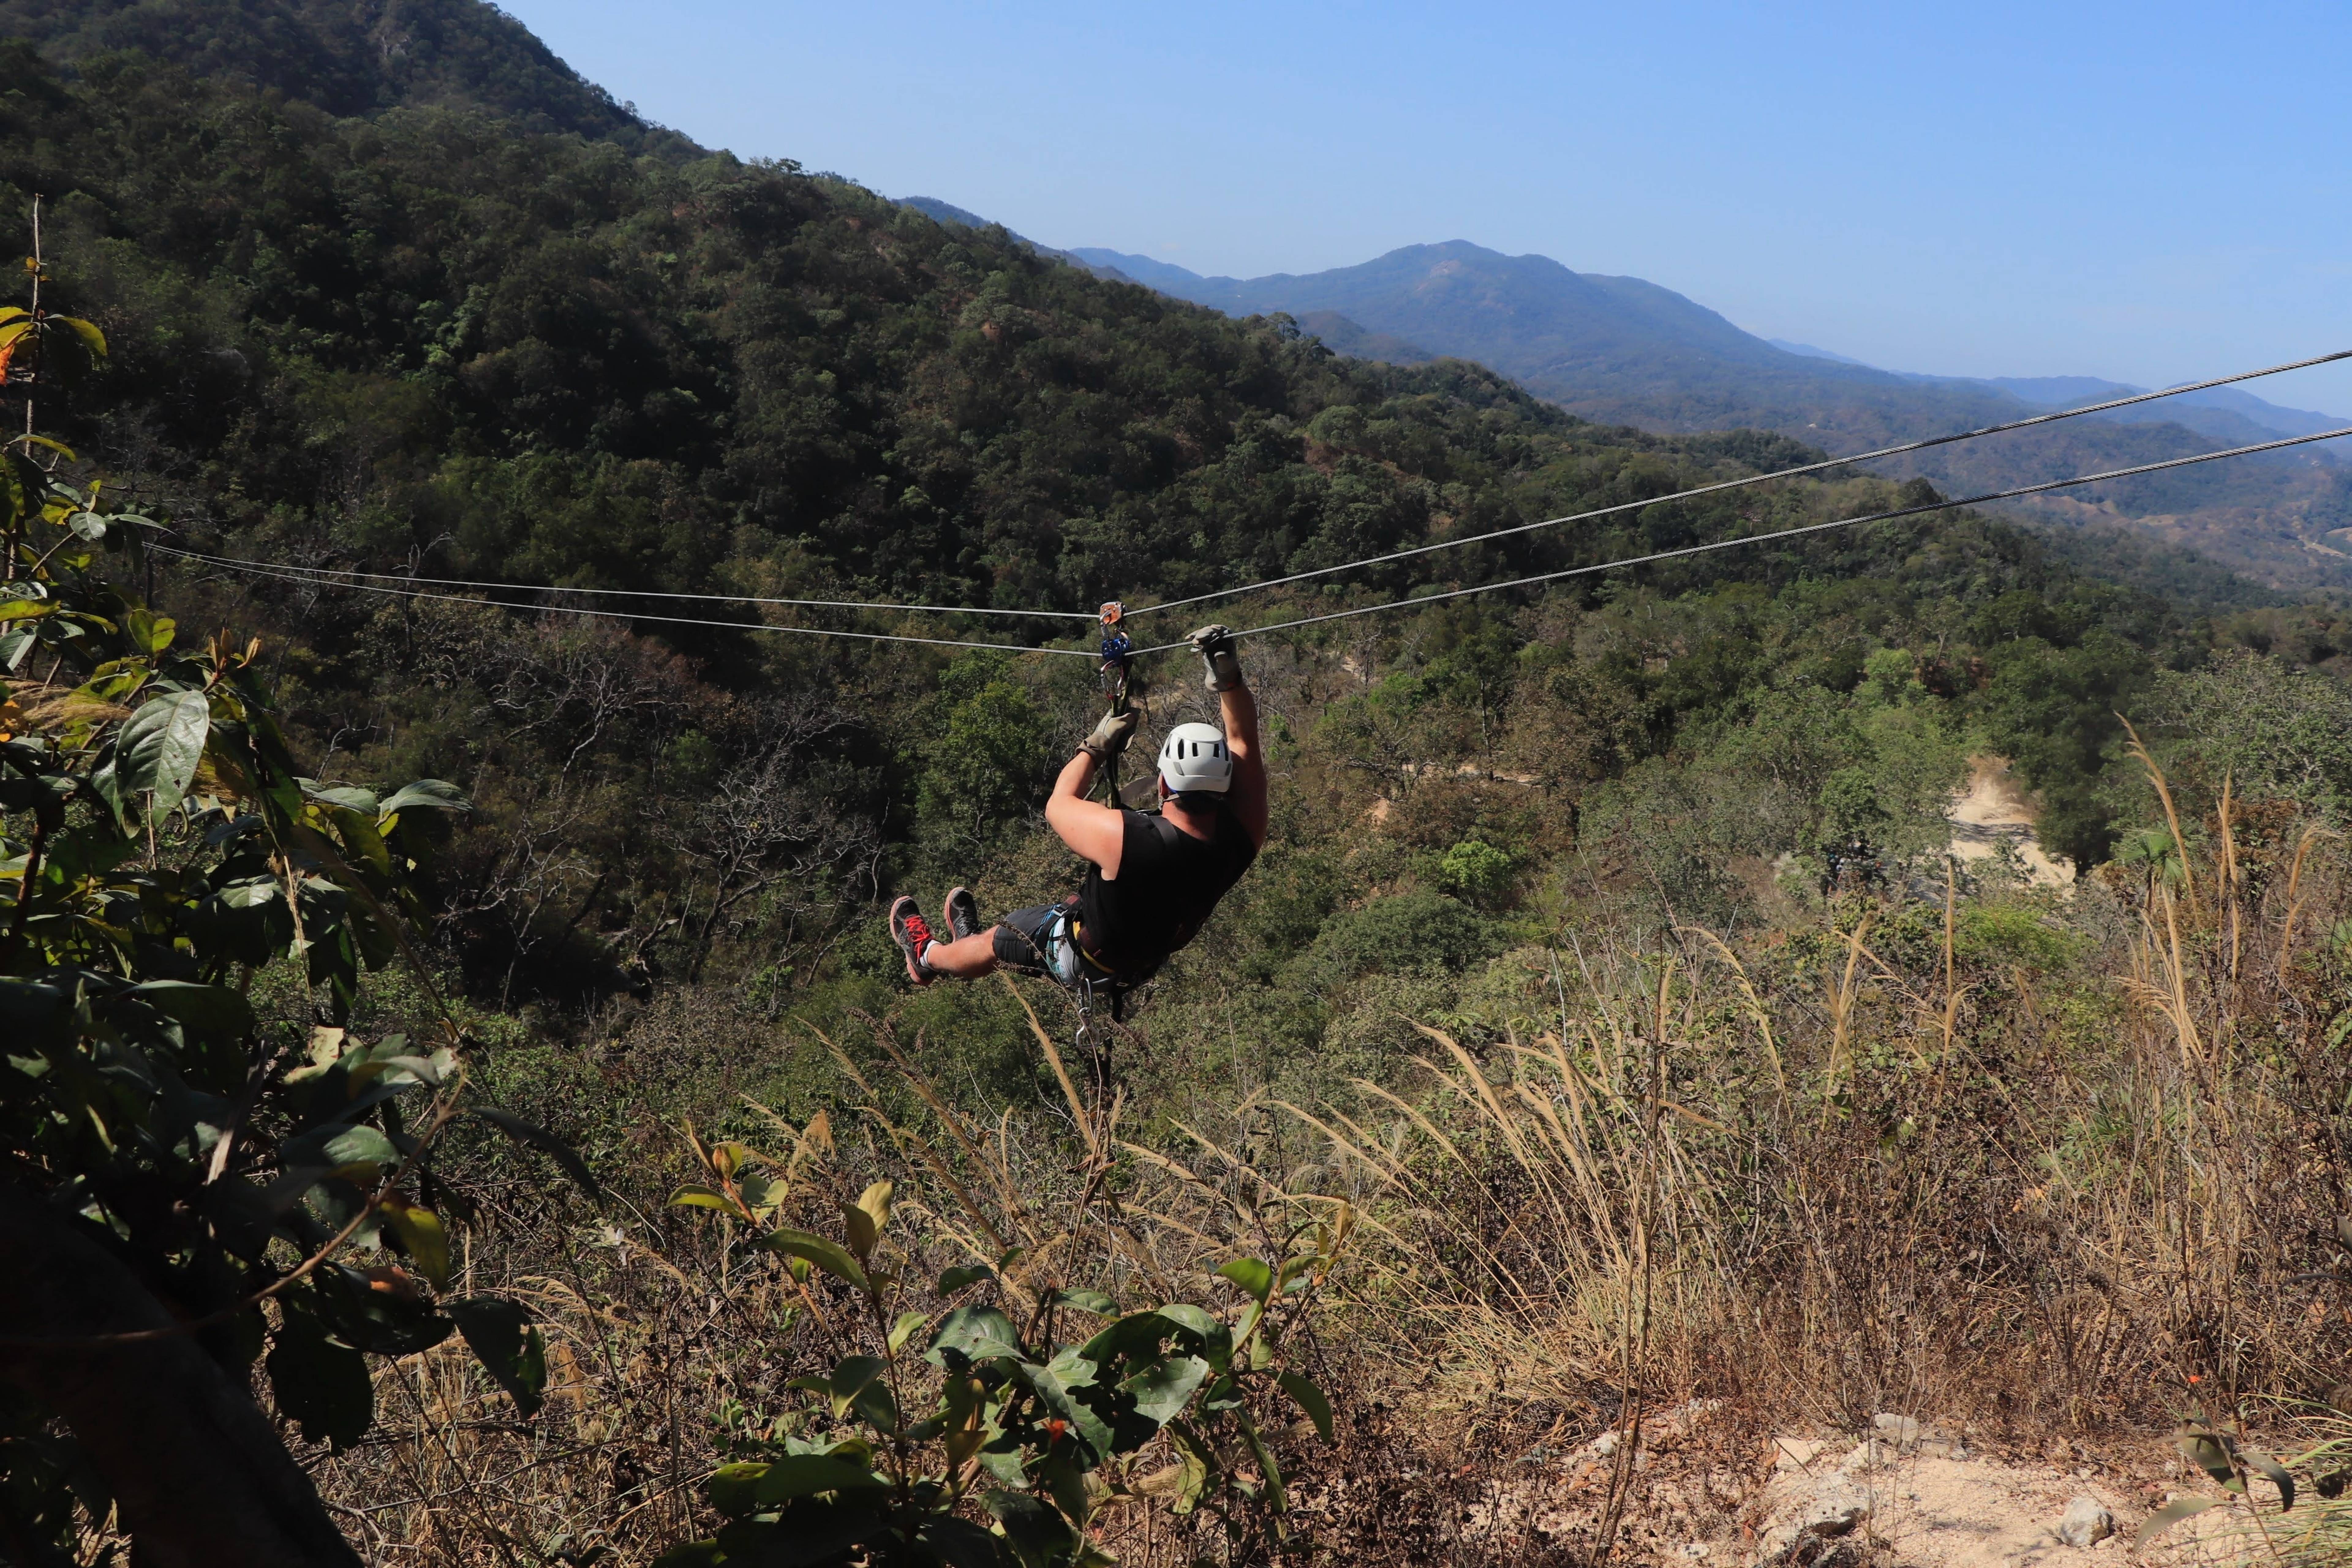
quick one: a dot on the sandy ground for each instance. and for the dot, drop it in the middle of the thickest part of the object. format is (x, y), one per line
(1933, 1502)
(1992, 815)
(1908, 1494)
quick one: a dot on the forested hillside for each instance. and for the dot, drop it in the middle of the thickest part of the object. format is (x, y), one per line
(1606, 985)
(347, 57)
(1624, 349)
(433, 341)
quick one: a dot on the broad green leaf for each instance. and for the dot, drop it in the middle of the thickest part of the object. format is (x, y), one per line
(1163, 1389)
(859, 1229)
(340, 1149)
(160, 747)
(91, 337)
(733, 1489)
(877, 1406)
(829, 1256)
(1194, 1479)
(321, 1387)
(691, 1555)
(1039, 1535)
(975, 1334)
(546, 1143)
(1094, 1301)
(692, 1197)
(1274, 1492)
(1083, 1423)
(148, 632)
(1251, 1274)
(850, 1376)
(1310, 1399)
(2271, 1471)
(1071, 1369)
(810, 1475)
(431, 793)
(509, 1345)
(955, 1280)
(421, 1233)
(213, 1009)
(1216, 1340)
(1245, 1330)
(350, 797)
(2171, 1514)
(957, 1542)
(905, 1328)
(875, 1201)
(26, 609)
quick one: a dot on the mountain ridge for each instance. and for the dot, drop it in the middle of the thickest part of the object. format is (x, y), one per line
(1625, 351)
(349, 58)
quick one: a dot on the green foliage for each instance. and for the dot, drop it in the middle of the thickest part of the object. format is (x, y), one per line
(955, 1414)
(164, 848)
(985, 769)
(1404, 933)
(2056, 711)
(2276, 733)
(2006, 934)
(1849, 807)
(344, 57)
(1476, 869)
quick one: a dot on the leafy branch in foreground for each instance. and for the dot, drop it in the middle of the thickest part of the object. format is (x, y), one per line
(188, 1185)
(942, 1420)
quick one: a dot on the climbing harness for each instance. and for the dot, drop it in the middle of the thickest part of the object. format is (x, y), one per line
(1068, 964)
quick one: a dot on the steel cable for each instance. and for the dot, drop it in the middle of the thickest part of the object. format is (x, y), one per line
(265, 568)
(1768, 538)
(1750, 480)
(349, 573)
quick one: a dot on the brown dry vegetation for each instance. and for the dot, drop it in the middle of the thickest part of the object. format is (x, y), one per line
(2037, 1162)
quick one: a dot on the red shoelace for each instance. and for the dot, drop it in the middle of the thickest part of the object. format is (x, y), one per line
(918, 930)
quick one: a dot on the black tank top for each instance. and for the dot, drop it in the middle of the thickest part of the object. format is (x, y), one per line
(1168, 883)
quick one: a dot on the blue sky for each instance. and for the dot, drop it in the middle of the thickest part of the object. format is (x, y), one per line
(2150, 192)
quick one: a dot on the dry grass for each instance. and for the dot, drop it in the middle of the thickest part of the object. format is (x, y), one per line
(1890, 1166)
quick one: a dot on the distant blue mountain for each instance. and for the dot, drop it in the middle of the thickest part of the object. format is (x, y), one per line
(1166, 277)
(950, 214)
(1809, 351)
(1624, 351)
(1566, 333)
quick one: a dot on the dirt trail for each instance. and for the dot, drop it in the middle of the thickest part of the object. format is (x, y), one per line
(1909, 1494)
(1992, 814)
(1931, 1501)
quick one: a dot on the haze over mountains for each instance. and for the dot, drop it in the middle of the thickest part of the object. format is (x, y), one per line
(1622, 350)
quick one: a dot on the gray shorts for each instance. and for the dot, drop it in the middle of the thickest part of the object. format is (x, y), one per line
(1040, 940)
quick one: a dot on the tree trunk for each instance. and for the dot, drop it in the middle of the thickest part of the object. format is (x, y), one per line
(199, 1476)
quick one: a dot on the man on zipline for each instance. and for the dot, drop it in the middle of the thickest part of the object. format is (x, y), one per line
(1155, 878)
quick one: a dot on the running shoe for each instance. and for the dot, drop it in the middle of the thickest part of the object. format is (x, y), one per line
(912, 932)
(962, 912)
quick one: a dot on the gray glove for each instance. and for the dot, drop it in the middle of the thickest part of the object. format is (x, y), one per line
(1215, 646)
(1111, 737)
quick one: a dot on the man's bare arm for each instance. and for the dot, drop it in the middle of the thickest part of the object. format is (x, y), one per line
(1098, 833)
(1246, 795)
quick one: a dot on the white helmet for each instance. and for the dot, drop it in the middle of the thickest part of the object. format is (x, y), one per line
(1193, 757)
